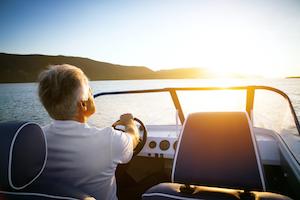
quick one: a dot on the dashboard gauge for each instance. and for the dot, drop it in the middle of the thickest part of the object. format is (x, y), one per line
(164, 145)
(175, 145)
(152, 144)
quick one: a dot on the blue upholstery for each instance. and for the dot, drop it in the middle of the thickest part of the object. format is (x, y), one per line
(22, 152)
(23, 155)
(218, 149)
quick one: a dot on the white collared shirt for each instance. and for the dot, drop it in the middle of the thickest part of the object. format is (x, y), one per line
(86, 156)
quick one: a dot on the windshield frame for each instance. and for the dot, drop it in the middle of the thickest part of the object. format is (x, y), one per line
(249, 99)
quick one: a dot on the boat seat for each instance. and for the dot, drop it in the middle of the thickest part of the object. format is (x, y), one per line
(217, 158)
(173, 191)
(23, 155)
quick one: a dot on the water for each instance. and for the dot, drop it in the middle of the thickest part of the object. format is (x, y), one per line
(20, 101)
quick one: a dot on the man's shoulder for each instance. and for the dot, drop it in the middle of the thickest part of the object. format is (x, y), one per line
(76, 129)
(96, 130)
(116, 135)
(101, 133)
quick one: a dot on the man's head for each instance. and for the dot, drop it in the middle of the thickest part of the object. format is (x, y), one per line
(65, 93)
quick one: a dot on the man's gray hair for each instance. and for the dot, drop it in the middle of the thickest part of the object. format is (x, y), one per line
(61, 87)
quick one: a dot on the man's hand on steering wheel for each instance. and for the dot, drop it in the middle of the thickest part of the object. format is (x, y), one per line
(139, 135)
(127, 121)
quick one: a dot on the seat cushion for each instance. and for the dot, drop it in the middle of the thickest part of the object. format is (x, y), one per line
(168, 191)
(165, 191)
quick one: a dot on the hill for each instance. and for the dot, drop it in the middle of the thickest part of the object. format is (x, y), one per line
(25, 68)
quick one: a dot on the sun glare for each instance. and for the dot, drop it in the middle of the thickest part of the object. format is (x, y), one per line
(212, 101)
(223, 49)
(241, 52)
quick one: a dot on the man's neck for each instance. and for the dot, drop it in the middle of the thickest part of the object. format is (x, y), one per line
(81, 119)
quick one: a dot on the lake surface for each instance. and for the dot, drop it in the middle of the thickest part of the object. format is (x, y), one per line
(20, 101)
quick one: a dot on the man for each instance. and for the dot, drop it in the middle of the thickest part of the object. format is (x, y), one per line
(78, 154)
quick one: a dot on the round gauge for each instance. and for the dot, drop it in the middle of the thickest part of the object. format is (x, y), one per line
(152, 144)
(175, 145)
(164, 145)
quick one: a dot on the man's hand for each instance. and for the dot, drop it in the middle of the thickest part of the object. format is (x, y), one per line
(126, 119)
(130, 127)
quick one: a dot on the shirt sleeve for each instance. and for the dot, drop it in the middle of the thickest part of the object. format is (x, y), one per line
(122, 147)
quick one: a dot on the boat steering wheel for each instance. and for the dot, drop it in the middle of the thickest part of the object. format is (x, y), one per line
(142, 133)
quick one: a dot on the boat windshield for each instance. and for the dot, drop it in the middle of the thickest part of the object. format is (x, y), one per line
(154, 108)
(274, 112)
(267, 107)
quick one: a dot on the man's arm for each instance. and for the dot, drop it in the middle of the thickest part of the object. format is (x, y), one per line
(130, 127)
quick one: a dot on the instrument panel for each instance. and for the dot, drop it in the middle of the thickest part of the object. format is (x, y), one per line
(161, 142)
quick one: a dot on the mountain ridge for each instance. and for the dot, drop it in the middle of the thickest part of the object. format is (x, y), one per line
(17, 68)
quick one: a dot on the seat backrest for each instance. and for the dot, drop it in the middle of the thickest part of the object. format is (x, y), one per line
(218, 149)
(23, 154)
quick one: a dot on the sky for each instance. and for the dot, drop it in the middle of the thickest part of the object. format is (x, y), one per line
(253, 37)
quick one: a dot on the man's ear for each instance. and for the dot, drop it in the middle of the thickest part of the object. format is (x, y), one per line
(83, 105)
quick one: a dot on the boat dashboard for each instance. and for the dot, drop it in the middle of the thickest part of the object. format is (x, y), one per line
(161, 141)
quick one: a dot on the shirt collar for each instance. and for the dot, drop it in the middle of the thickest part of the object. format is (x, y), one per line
(68, 123)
